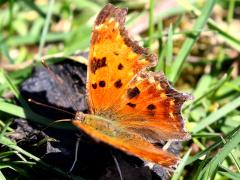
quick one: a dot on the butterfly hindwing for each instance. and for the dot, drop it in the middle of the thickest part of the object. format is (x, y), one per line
(152, 108)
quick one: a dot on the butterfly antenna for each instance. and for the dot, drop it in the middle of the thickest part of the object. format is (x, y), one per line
(60, 83)
(57, 121)
(55, 108)
(49, 106)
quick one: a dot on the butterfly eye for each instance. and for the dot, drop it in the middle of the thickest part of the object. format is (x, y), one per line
(79, 116)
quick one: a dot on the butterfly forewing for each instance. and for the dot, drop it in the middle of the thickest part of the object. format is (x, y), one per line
(114, 59)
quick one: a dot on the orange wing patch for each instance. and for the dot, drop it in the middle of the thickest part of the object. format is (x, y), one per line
(114, 59)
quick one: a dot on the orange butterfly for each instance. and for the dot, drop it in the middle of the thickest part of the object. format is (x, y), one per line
(131, 108)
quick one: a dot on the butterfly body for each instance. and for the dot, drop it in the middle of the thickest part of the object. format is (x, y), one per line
(130, 107)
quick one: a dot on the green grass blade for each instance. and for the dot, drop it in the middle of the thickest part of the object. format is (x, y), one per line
(233, 157)
(161, 49)
(210, 90)
(218, 143)
(229, 39)
(151, 24)
(45, 28)
(2, 177)
(7, 142)
(229, 174)
(188, 44)
(33, 6)
(169, 54)
(7, 153)
(161, 61)
(211, 167)
(222, 31)
(213, 117)
(181, 166)
(202, 86)
(14, 89)
(230, 11)
(3, 131)
(28, 114)
(22, 172)
(4, 50)
(12, 109)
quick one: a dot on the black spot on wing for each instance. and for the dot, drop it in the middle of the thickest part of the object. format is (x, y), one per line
(102, 83)
(131, 105)
(118, 83)
(133, 92)
(151, 107)
(120, 66)
(94, 86)
(97, 64)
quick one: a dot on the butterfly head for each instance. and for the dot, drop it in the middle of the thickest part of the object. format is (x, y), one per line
(80, 116)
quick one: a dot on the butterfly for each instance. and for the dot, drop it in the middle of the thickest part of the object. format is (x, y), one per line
(131, 108)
